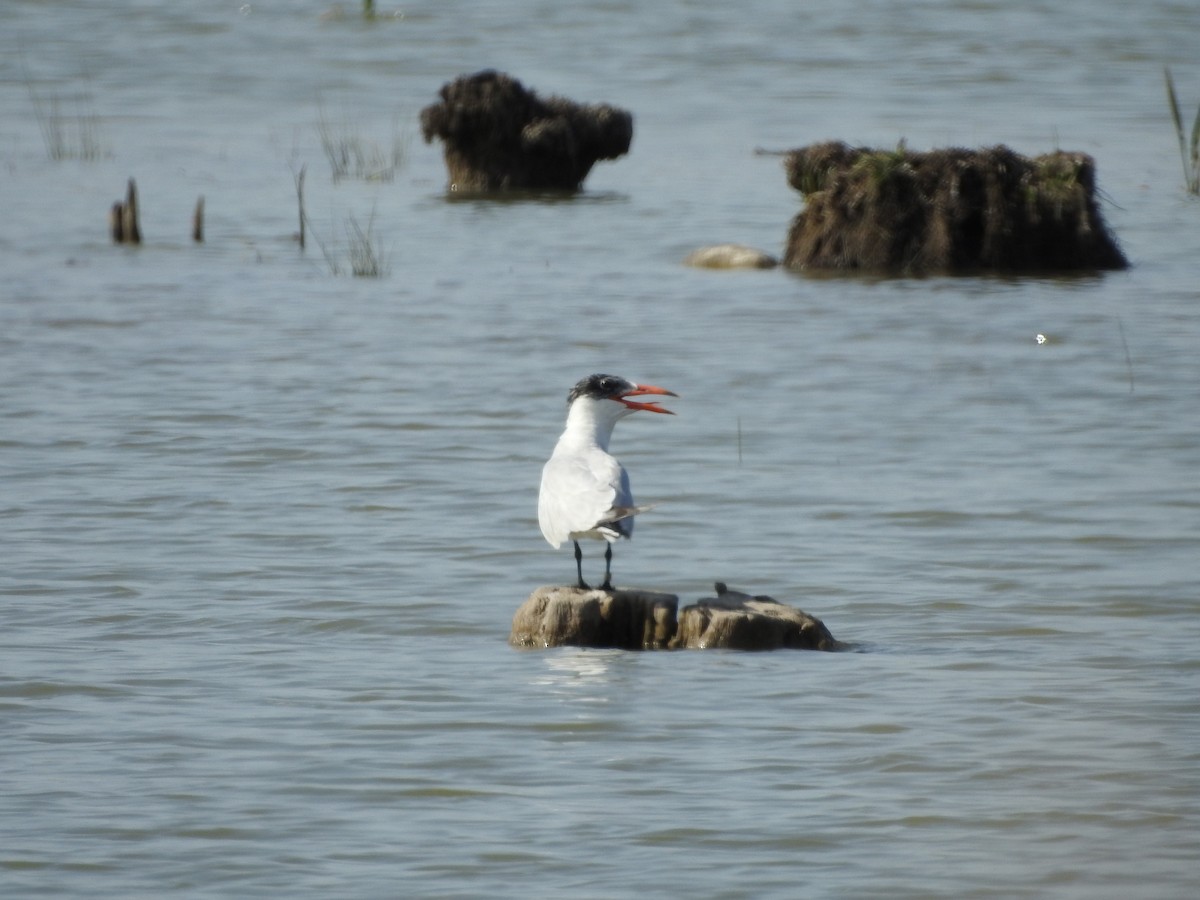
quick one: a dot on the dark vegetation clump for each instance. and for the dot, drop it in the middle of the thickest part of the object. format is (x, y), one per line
(950, 211)
(498, 136)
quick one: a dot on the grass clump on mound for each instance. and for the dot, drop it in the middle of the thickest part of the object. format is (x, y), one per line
(950, 211)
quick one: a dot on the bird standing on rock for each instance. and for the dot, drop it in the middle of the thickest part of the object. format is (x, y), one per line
(585, 491)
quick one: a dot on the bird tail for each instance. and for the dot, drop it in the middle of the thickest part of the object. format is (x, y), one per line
(617, 513)
(616, 522)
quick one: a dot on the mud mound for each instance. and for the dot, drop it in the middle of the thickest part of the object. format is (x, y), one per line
(498, 136)
(950, 211)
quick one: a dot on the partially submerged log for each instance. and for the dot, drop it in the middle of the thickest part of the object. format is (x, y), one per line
(730, 256)
(498, 136)
(737, 621)
(123, 218)
(949, 211)
(648, 620)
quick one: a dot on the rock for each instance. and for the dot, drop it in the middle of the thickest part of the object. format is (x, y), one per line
(737, 621)
(730, 256)
(498, 136)
(950, 211)
(647, 620)
(625, 619)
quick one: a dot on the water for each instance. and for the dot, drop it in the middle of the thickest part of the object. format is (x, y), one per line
(265, 526)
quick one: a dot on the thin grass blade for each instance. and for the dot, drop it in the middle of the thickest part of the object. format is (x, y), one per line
(1175, 114)
(1195, 179)
(1177, 118)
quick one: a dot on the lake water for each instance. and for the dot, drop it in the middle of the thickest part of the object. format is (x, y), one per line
(265, 524)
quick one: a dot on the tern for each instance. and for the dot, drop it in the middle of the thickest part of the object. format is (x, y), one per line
(585, 491)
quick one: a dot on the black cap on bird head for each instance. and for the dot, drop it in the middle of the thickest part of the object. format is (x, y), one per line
(614, 387)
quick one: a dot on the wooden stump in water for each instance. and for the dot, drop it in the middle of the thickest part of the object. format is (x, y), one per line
(498, 136)
(123, 218)
(949, 211)
(737, 621)
(571, 616)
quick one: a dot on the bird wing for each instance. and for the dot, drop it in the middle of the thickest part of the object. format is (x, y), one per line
(623, 510)
(581, 491)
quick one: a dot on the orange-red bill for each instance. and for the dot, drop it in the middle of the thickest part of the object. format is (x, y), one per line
(652, 406)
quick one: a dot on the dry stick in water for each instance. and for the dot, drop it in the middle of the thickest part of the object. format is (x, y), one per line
(198, 221)
(300, 200)
(129, 217)
(1128, 359)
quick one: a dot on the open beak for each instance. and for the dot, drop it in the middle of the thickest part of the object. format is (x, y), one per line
(652, 406)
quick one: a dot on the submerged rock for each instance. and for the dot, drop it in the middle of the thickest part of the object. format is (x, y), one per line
(498, 136)
(648, 620)
(738, 621)
(950, 211)
(628, 620)
(730, 256)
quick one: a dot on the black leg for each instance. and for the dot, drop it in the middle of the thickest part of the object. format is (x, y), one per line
(607, 586)
(579, 566)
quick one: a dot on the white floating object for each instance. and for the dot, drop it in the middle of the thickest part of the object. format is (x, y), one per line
(730, 256)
